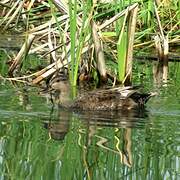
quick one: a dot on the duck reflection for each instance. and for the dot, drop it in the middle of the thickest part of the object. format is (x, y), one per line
(58, 126)
(120, 122)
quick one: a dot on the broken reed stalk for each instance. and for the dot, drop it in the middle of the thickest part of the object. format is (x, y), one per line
(50, 43)
(62, 6)
(52, 68)
(41, 29)
(122, 51)
(165, 59)
(117, 16)
(101, 66)
(9, 12)
(131, 32)
(4, 5)
(22, 53)
(157, 68)
(161, 70)
(14, 15)
(162, 47)
(44, 73)
(125, 46)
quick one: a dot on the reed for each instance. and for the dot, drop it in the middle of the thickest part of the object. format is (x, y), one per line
(121, 53)
(73, 35)
(65, 33)
(83, 34)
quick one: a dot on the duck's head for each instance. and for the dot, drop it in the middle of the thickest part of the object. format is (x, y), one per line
(62, 91)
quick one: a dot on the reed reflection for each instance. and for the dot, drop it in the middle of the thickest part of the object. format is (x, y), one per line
(119, 123)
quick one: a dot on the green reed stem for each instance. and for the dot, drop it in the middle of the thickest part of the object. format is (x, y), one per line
(83, 32)
(73, 28)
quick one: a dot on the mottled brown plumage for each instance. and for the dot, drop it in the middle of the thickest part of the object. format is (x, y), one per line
(121, 98)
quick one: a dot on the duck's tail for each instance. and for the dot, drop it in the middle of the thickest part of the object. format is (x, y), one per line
(150, 95)
(142, 99)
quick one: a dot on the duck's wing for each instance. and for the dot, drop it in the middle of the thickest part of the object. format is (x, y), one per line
(111, 93)
(115, 98)
(105, 97)
(125, 92)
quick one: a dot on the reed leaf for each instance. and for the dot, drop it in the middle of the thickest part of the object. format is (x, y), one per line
(122, 51)
(73, 28)
(121, 56)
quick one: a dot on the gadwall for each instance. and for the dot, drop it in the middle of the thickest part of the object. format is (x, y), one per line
(118, 98)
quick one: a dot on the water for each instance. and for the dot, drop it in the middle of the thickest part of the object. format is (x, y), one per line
(38, 141)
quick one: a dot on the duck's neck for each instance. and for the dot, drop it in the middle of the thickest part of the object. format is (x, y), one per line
(64, 89)
(65, 99)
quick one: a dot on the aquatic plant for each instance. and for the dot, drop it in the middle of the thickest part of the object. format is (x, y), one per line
(87, 37)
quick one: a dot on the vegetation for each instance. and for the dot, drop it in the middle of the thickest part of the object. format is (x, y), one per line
(93, 39)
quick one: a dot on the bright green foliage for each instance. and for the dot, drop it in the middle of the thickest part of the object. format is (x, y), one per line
(73, 29)
(121, 55)
(77, 34)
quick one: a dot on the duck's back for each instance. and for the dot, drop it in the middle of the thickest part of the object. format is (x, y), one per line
(108, 99)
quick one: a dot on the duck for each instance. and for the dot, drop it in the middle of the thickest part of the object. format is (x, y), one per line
(107, 99)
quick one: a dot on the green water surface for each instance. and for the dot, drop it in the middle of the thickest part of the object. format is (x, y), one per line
(39, 141)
